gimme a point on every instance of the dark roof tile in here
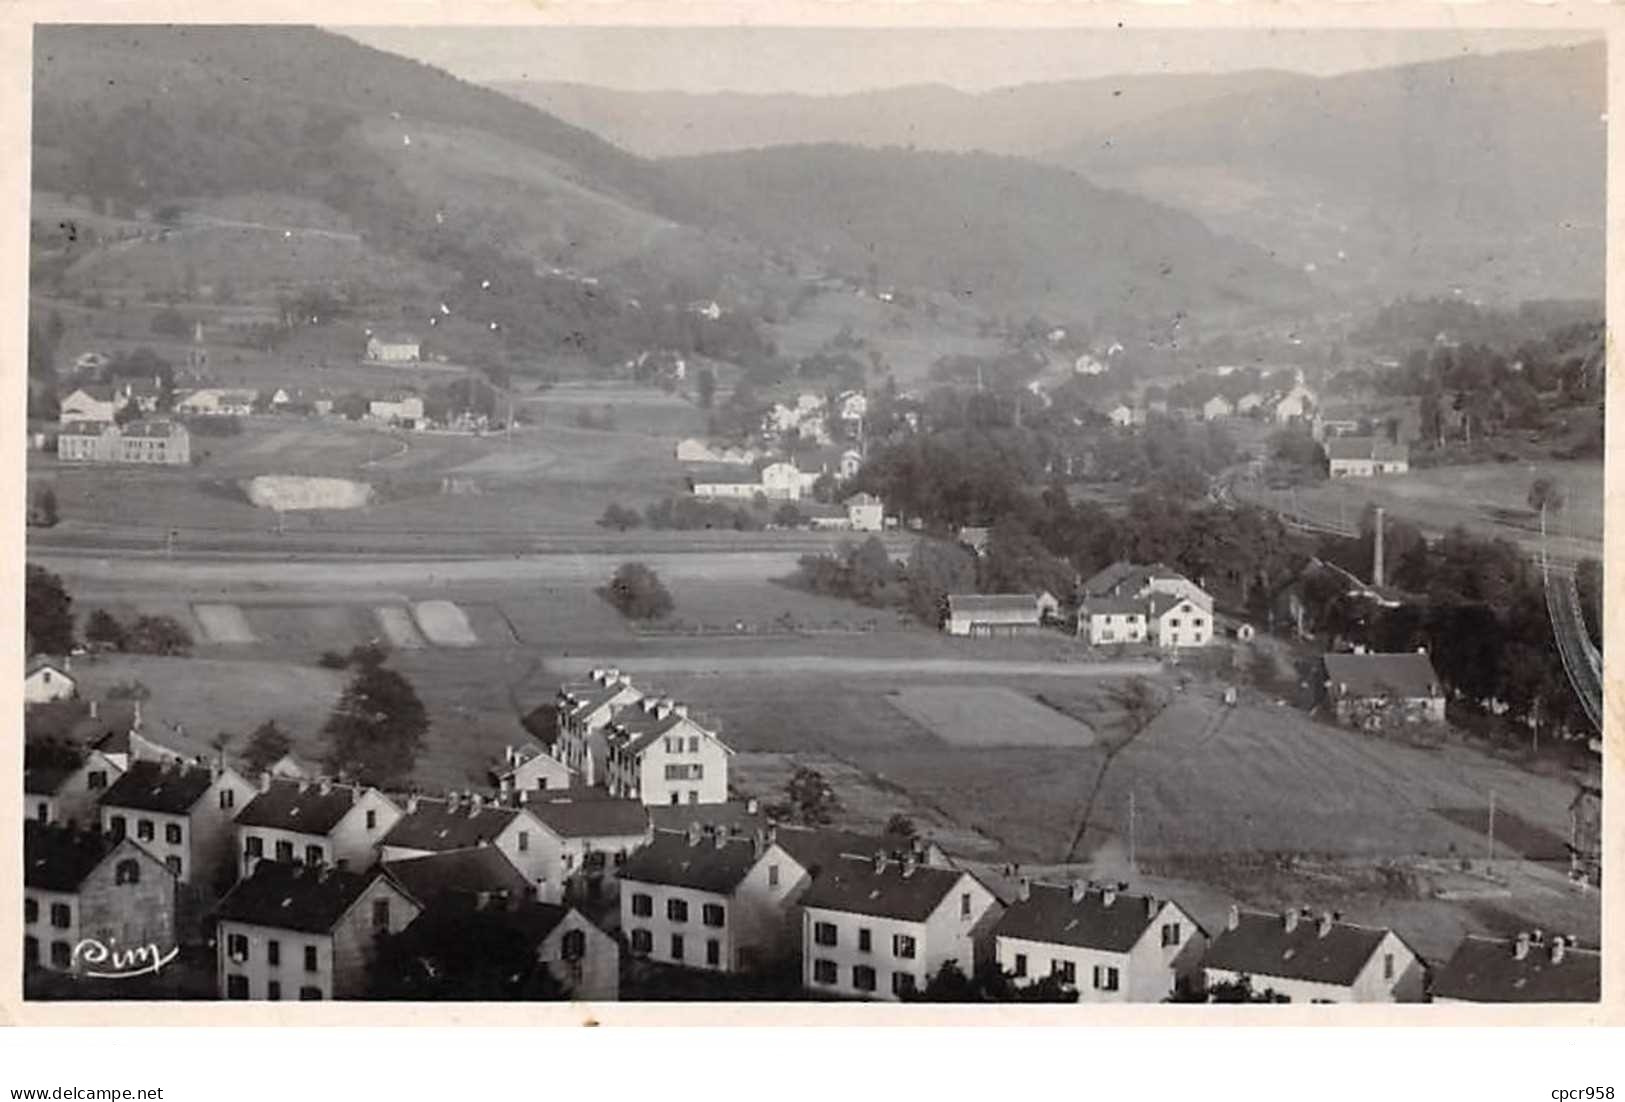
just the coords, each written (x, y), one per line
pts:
(292, 897)
(855, 886)
(303, 806)
(1262, 946)
(149, 786)
(1487, 970)
(1049, 914)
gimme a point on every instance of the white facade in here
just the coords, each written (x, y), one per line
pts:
(1170, 946)
(1184, 624)
(686, 764)
(351, 844)
(406, 408)
(1392, 974)
(520, 841)
(195, 844)
(1115, 626)
(48, 682)
(782, 482)
(393, 350)
(81, 405)
(865, 513)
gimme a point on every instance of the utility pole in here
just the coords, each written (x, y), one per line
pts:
(1492, 824)
(1131, 830)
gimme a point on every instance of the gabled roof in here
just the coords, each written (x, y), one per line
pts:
(1408, 675)
(482, 870)
(1261, 946)
(58, 858)
(98, 391)
(578, 816)
(453, 919)
(437, 825)
(729, 475)
(705, 865)
(1114, 606)
(1049, 914)
(1366, 447)
(816, 848)
(1487, 970)
(734, 815)
(855, 886)
(287, 896)
(149, 786)
(1159, 603)
(46, 662)
(590, 696)
(1008, 605)
(309, 807)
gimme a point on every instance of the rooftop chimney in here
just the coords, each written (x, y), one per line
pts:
(1292, 920)
(1233, 921)
(752, 807)
(412, 804)
(1324, 925)
(721, 837)
(1024, 888)
(1079, 890)
(265, 781)
(880, 860)
(1377, 566)
(909, 864)
(1108, 896)
(509, 754)
(326, 785)
(1520, 948)
(1558, 946)
(694, 834)
(680, 709)
(95, 707)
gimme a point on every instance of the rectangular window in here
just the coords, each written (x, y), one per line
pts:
(1388, 966)
(254, 846)
(676, 797)
(902, 984)
(115, 826)
(96, 779)
(1171, 933)
(273, 991)
(172, 833)
(964, 905)
(273, 953)
(902, 946)
(642, 941)
(1105, 978)
(228, 799)
(824, 971)
(863, 977)
(61, 915)
(677, 947)
(30, 911)
(237, 946)
(310, 994)
(173, 864)
(284, 851)
(372, 820)
(643, 905)
(713, 914)
(693, 796)
(694, 744)
(1065, 971)
(772, 876)
(310, 958)
(824, 933)
(863, 940)
(677, 910)
(524, 841)
(144, 830)
(313, 855)
(677, 772)
(236, 987)
(1020, 968)
(61, 954)
(713, 952)
(380, 914)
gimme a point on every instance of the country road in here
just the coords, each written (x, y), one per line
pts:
(823, 664)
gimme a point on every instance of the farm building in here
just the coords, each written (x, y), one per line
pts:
(1365, 457)
(1525, 969)
(1381, 690)
(695, 450)
(1130, 603)
(218, 402)
(992, 614)
(1178, 621)
(1216, 408)
(94, 404)
(865, 512)
(1296, 404)
(164, 443)
(1303, 957)
(730, 484)
(397, 408)
(1107, 620)
(47, 679)
(1106, 944)
(393, 348)
(531, 768)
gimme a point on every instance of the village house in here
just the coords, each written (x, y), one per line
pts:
(81, 884)
(785, 481)
(305, 932)
(1296, 404)
(735, 484)
(974, 538)
(881, 928)
(1311, 958)
(584, 708)
(1105, 621)
(1374, 691)
(1125, 416)
(182, 814)
(1217, 408)
(825, 518)
(155, 442)
(992, 615)
(1525, 969)
(659, 754)
(397, 408)
(716, 902)
(530, 768)
(1101, 941)
(314, 822)
(584, 841)
(218, 402)
(470, 874)
(1366, 457)
(63, 784)
(91, 404)
(852, 405)
(865, 513)
(393, 348)
(1130, 603)
(458, 822)
(47, 679)
(1174, 622)
(1249, 402)
(695, 450)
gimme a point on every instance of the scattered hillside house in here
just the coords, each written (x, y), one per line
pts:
(1524, 970)
(397, 407)
(993, 615)
(1106, 944)
(695, 450)
(1105, 621)
(878, 928)
(165, 443)
(1366, 457)
(1132, 603)
(1333, 423)
(531, 768)
(583, 959)
(218, 402)
(852, 405)
(1125, 416)
(585, 840)
(1088, 364)
(1174, 622)
(80, 885)
(1312, 958)
(849, 463)
(46, 678)
(806, 416)
(305, 932)
(63, 784)
(659, 754)
(1250, 401)
(314, 822)
(975, 538)
(92, 404)
(180, 813)
(1217, 407)
(865, 513)
(785, 481)
(717, 903)
(1049, 606)
(1295, 404)
(1374, 691)
(726, 484)
(393, 348)
(460, 822)
(584, 708)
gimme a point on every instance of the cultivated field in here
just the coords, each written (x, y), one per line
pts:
(224, 624)
(444, 624)
(988, 716)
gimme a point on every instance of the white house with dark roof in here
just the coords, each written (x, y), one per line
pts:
(1132, 603)
(1108, 945)
(81, 884)
(1305, 957)
(584, 708)
(64, 785)
(182, 814)
(393, 348)
(991, 615)
(880, 928)
(477, 874)
(1524, 969)
(529, 768)
(303, 932)
(93, 404)
(441, 825)
(1373, 691)
(712, 902)
(659, 754)
(1366, 457)
(46, 679)
(586, 838)
(314, 822)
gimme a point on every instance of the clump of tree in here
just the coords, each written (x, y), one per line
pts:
(620, 517)
(990, 984)
(47, 612)
(1238, 990)
(860, 572)
(160, 635)
(1296, 458)
(637, 593)
(43, 511)
(808, 798)
(104, 632)
(688, 513)
(376, 729)
(266, 745)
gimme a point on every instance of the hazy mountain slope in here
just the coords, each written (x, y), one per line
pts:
(1485, 173)
(1023, 119)
(1004, 233)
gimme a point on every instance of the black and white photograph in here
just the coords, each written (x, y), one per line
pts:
(1080, 516)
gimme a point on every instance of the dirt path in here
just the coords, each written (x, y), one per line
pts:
(796, 664)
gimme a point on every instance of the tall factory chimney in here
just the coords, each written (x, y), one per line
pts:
(1376, 552)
